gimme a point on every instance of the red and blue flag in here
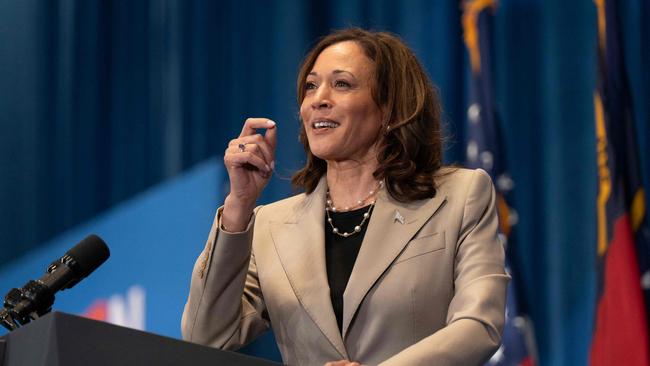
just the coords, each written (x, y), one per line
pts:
(621, 330)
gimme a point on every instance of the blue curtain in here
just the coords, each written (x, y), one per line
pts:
(101, 99)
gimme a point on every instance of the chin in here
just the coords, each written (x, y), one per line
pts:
(326, 152)
(322, 154)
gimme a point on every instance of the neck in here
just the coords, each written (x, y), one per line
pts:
(350, 181)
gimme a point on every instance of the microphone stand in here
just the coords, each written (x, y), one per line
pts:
(7, 320)
(26, 304)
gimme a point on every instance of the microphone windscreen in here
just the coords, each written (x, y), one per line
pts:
(89, 254)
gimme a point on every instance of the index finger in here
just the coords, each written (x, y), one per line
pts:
(252, 124)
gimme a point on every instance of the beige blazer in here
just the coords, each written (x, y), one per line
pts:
(428, 286)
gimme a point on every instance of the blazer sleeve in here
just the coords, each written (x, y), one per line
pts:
(225, 307)
(477, 310)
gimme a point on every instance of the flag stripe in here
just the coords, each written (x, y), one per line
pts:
(605, 180)
(621, 335)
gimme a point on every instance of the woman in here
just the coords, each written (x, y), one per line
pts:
(387, 258)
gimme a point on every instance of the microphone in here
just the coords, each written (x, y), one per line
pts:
(35, 298)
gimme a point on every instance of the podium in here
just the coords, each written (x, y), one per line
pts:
(59, 339)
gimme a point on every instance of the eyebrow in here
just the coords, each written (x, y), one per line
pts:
(337, 71)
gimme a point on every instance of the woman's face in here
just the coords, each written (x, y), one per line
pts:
(341, 119)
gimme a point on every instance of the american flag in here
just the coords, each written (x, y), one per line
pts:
(486, 150)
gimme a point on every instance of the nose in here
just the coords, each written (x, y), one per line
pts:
(322, 98)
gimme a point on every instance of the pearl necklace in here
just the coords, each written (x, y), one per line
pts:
(372, 192)
(330, 207)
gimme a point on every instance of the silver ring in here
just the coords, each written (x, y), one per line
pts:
(242, 147)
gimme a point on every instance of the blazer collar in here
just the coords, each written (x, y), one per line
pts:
(299, 240)
(391, 227)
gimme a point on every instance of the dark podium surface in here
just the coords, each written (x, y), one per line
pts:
(64, 339)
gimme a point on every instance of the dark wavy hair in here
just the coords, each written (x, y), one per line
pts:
(410, 149)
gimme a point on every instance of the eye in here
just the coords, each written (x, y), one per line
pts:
(341, 84)
(310, 85)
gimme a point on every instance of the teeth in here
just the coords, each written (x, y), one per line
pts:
(325, 124)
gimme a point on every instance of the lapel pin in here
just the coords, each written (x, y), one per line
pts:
(398, 217)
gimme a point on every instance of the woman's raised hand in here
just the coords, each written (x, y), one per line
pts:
(249, 160)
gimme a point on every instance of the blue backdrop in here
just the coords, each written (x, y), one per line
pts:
(102, 99)
(154, 239)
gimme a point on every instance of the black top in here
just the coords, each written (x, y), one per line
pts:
(341, 253)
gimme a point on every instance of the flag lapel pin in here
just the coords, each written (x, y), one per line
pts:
(398, 217)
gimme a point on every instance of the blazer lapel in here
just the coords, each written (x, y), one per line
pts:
(391, 226)
(299, 240)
